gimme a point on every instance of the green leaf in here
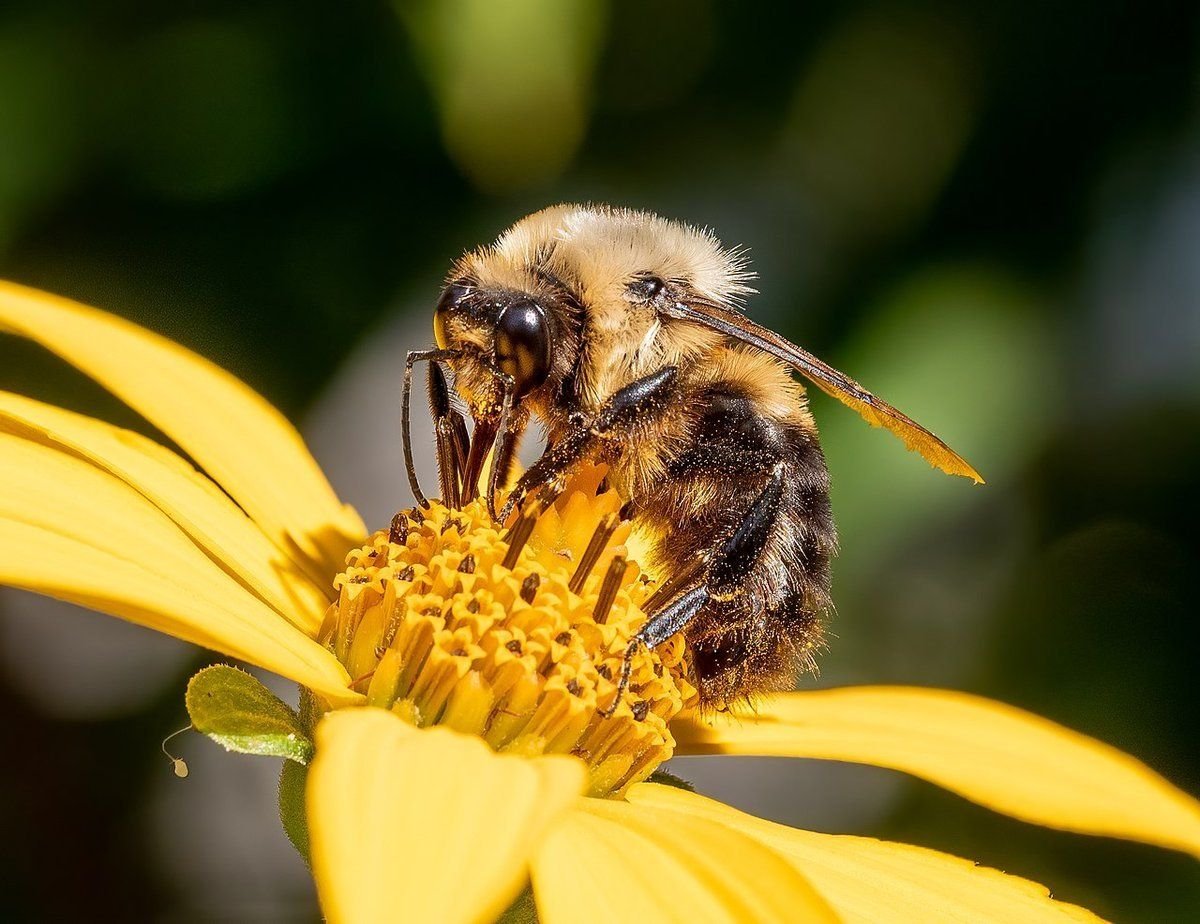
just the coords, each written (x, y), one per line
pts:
(292, 786)
(242, 715)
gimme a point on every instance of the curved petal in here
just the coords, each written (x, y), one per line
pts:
(244, 443)
(424, 825)
(877, 882)
(999, 756)
(197, 505)
(613, 861)
(69, 530)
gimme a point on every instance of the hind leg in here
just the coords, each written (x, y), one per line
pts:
(721, 586)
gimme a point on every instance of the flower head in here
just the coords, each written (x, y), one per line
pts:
(519, 640)
(469, 739)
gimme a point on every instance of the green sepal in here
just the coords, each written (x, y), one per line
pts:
(293, 780)
(242, 715)
(666, 778)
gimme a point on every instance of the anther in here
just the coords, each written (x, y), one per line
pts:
(608, 590)
(603, 532)
(514, 646)
(405, 573)
(574, 687)
(563, 638)
(398, 531)
(522, 530)
(467, 565)
(529, 587)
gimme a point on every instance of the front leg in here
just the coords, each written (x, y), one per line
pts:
(632, 406)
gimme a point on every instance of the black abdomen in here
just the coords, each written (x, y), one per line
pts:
(774, 594)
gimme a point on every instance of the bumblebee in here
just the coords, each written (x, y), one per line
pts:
(622, 334)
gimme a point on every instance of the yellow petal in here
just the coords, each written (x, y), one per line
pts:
(1007, 759)
(70, 530)
(876, 882)
(612, 861)
(244, 443)
(424, 825)
(197, 505)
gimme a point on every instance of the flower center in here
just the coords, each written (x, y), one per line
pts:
(517, 637)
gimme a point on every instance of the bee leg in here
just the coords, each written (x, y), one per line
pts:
(504, 444)
(672, 618)
(504, 455)
(624, 410)
(727, 568)
(414, 357)
(450, 429)
(548, 471)
(740, 552)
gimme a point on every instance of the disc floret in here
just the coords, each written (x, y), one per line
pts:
(442, 621)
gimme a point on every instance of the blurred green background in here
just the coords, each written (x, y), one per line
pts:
(990, 214)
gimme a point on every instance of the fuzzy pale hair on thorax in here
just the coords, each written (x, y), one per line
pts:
(597, 250)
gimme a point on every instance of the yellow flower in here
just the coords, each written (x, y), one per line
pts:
(460, 694)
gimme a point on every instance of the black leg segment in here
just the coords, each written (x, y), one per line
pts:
(450, 430)
(414, 357)
(625, 408)
(740, 551)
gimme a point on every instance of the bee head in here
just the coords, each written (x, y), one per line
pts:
(571, 297)
(494, 330)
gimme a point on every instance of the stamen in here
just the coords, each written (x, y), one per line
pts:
(523, 529)
(599, 540)
(432, 628)
(398, 531)
(608, 590)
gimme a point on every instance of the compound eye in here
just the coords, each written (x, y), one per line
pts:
(447, 303)
(647, 288)
(523, 345)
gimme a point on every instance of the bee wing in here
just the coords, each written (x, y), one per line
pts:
(877, 412)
